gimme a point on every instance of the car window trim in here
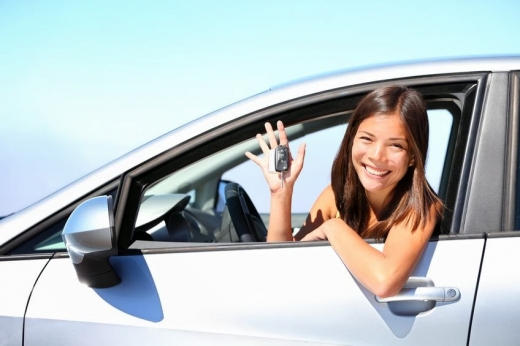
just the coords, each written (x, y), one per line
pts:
(134, 182)
(511, 214)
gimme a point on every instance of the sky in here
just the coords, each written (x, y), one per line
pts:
(84, 82)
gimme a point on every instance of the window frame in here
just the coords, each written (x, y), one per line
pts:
(135, 182)
(512, 213)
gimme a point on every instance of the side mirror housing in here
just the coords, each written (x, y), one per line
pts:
(90, 238)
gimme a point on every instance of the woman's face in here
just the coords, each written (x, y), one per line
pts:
(380, 153)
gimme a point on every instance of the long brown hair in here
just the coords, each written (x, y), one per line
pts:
(413, 196)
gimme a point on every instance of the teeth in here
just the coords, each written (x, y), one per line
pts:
(374, 172)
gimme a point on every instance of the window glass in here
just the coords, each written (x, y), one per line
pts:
(441, 122)
(221, 202)
(48, 240)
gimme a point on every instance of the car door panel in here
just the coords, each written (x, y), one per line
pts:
(299, 293)
(18, 278)
(496, 317)
(132, 312)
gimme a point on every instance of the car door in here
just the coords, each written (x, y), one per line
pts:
(19, 274)
(266, 294)
(273, 293)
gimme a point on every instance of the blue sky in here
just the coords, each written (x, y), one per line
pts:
(83, 82)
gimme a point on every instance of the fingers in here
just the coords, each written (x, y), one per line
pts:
(273, 142)
(310, 237)
(301, 152)
(306, 238)
(263, 145)
(300, 156)
(254, 158)
(281, 133)
(317, 234)
(297, 163)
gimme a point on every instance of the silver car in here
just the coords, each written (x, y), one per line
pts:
(166, 245)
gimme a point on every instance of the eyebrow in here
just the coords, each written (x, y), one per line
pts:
(392, 139)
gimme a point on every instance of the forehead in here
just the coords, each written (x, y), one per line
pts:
(384, 125)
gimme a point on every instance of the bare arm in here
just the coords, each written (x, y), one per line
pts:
(383, 273)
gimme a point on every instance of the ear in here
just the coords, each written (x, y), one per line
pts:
(412, 162)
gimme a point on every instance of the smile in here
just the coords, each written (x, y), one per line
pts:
(376, 172)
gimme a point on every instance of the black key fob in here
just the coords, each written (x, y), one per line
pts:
(281, 158)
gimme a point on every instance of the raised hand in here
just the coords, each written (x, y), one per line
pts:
(295, 164)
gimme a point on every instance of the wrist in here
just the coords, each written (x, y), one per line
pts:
(282, 193)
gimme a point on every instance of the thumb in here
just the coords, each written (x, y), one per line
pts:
(300, 156)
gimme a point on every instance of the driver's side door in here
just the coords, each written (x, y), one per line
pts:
(265, 294)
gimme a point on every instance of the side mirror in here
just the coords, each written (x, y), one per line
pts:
(91, 240)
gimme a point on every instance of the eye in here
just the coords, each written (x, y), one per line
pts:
(398, 146)
(365, 138)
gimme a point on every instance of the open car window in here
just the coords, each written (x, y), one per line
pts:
(198, 188)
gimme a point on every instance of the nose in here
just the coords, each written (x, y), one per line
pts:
(377, 152)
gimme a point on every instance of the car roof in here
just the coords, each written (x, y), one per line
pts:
(12, 225)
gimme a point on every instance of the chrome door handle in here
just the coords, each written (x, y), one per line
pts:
(438, 294)
(419, 295)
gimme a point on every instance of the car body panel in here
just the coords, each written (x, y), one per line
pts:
(272, 293)
(496, 320)
(18, 279)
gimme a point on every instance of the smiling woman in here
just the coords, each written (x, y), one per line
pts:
(378, 190)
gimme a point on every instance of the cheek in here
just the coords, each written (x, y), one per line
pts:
(401, 160)
(357, 152)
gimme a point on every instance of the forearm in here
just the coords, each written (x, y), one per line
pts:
(367, 264)
(280, 227)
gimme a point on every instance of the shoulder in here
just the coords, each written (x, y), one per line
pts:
(327, 202)
(324, 209)
(424, 224)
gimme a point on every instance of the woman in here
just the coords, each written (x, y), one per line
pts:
(378, 190)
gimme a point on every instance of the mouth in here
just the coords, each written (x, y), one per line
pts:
(376, 172)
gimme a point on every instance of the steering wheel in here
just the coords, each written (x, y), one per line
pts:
(246, 219)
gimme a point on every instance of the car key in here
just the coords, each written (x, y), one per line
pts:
(281, 160)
